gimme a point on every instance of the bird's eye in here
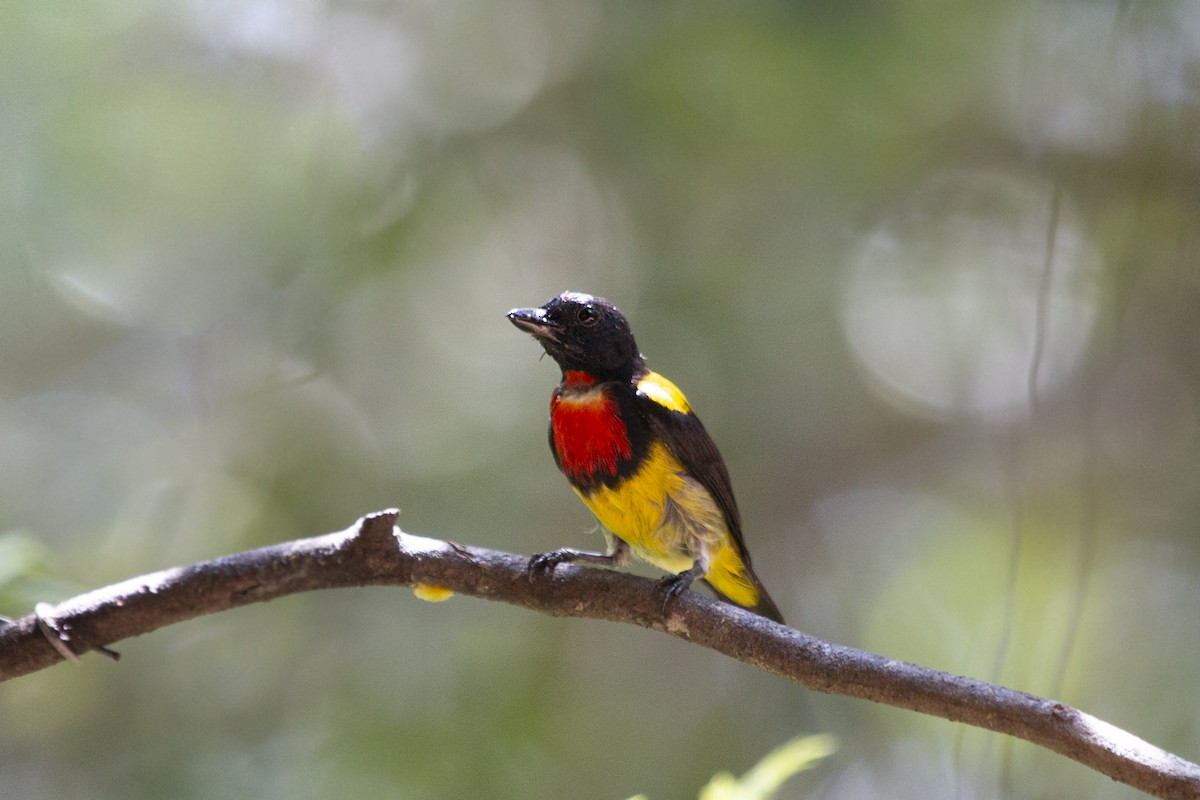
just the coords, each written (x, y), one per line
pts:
(587, 315)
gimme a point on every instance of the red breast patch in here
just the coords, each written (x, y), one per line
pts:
(589, 434)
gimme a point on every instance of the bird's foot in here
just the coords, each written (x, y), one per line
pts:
(672, 586)
(544, 563)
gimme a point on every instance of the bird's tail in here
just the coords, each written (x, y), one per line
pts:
(731, 578)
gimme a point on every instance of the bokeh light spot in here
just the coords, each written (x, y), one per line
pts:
(950, 302)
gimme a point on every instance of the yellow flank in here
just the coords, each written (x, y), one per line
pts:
(671, 521)
(663, 392)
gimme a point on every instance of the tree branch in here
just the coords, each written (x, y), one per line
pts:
(373, 552)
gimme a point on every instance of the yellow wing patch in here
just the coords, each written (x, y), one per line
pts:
(663, 392)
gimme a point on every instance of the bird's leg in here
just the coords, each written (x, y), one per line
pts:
(617, 556)
(674, 585)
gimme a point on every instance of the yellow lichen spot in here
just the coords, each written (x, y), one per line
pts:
(663, 392)
(431, 592)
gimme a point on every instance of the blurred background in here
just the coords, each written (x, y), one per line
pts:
(928, 270)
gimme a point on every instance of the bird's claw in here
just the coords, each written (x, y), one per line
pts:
(671, 587)
(544, 563)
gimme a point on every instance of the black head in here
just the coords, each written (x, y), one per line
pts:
(582, 332)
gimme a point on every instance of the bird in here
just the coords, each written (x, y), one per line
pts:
(632, 448)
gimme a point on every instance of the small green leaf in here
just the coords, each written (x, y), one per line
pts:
(764, 778)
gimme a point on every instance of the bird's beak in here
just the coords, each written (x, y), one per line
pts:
(533, 321)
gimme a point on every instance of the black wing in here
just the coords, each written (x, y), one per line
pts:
(684, 435)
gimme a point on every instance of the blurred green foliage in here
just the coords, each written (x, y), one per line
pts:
(927, 269)
(762, 781)
(25, 571)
